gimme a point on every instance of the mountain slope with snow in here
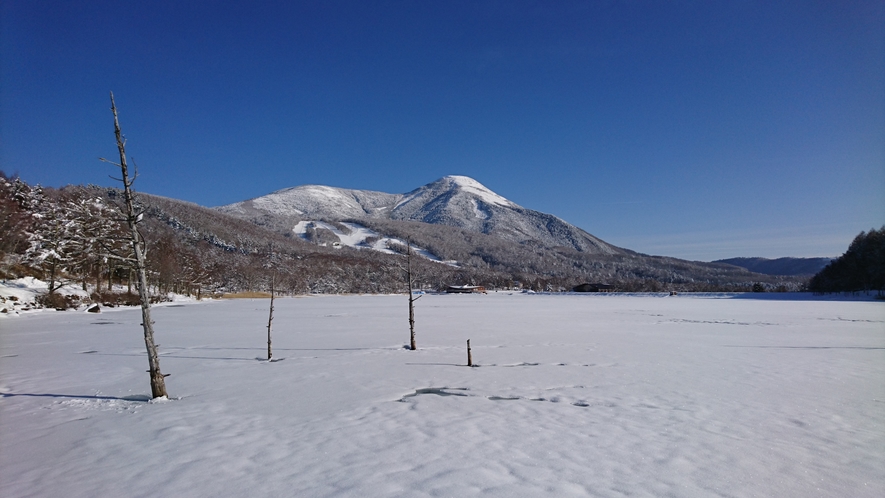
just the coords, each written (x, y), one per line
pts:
(226, 244)
(316, 201)
(457, 201)
(463, 202)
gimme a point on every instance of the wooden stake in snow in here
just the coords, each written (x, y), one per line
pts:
(469, 356)
(270, 319)
(158, 381)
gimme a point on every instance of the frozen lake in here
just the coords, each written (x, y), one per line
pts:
(575, 395)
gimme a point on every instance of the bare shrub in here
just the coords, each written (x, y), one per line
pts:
(112, 299)
(58, 301)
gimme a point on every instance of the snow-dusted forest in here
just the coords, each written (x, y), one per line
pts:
(75, 235)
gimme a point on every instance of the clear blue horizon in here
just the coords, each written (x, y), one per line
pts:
(699, 130)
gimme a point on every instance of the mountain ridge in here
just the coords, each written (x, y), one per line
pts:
(780, 266)
(453, 200)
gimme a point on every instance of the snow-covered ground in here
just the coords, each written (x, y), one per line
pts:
(575, 395)
(20, 295)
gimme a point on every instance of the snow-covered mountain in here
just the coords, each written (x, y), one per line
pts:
(457, 201)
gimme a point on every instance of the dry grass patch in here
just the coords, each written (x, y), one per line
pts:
(247, 295)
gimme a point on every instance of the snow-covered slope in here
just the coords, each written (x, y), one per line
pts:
(457, 201)
(317, 201)
(360, 237)
(465, 203)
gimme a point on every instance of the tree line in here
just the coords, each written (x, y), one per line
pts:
(860, 269)
(61, 236)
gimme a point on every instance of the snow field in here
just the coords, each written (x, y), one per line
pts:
(357, 239)
(574, 396)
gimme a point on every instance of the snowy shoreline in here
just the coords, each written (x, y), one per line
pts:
(18, 297)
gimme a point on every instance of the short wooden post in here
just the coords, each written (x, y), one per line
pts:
(469, 355)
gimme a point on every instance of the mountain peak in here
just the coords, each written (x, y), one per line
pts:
(471, 186)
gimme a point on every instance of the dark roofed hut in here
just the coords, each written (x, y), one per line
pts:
(594, 288)
(465, 289)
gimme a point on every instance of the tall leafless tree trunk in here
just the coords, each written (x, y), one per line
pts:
(158, 381)
(412, 297)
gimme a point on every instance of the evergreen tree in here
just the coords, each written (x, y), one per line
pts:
(861, 268)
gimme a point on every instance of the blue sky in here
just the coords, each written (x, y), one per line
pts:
(694, 129)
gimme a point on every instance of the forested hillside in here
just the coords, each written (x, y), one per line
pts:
(73, 234)
(861, 268)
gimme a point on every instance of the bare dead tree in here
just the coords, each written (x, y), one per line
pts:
(158, 380)
(412, 297)
(270, 318)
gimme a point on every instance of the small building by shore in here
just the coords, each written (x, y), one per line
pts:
(465, 289)
(594, 288)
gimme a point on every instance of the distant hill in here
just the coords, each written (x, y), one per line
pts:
(229, 252)
(780, 266)
(482, 237)
(456, 201)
